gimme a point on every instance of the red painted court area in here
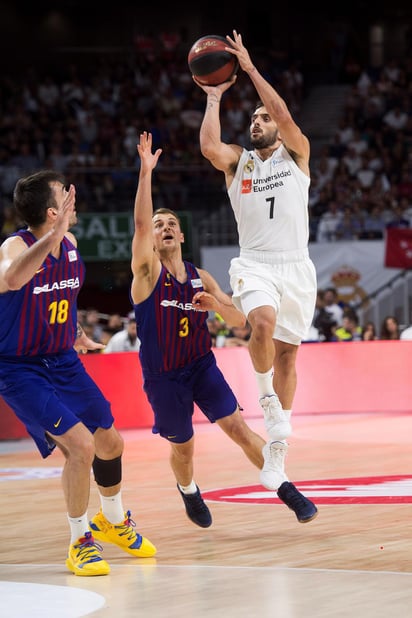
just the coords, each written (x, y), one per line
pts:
(395, 489)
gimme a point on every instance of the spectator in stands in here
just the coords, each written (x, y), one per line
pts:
(390, 328)
(105, 337)
(365, 174)
(398, 219)
(329, 222)
(350, 227)
(332, 306)
(125, 340)
(92, 324)
(324, 169)
(350, 329)
(369, 332)
(406, 205)
(324, 321)
(238, 336)
(10, 221)
(213, 328)
(352, 161)
(396, 118)
(406, 334)
(218, 329)
(114, 323)
(373, 225)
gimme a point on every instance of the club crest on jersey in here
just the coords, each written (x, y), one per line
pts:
(196, 283)
(249, 166)
(72, 255)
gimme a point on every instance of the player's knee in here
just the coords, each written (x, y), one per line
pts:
(107, 472)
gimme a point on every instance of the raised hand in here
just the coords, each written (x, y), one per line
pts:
(240, 51)
(144, 148)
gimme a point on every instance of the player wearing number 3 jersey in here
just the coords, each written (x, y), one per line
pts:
(171, 300)
(273, 279)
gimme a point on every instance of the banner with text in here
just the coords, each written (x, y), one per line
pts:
(108, 236)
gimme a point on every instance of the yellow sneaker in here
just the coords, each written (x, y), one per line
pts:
(122, 535)
(84, 558)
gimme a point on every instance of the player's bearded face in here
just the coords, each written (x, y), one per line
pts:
(264, 140)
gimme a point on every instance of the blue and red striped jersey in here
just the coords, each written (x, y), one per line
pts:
(171, 331)
(41, 317)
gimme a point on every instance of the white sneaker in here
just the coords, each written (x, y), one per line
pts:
(276, 422)
(273, 474)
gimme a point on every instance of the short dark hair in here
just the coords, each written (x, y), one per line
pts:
(258, 104)
(32, 196)
(166, 211)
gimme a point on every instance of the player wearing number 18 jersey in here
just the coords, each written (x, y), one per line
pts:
(41, 317)
(42, 378)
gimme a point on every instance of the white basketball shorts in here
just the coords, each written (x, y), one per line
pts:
(285, 281)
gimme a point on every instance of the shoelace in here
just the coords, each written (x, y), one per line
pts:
(276, 456)
(88, 549)
(273, 408)
(196, 502)
(126, 528)
(270, 400)
(295, 499)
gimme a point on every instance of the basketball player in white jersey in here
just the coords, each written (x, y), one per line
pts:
(273, 279)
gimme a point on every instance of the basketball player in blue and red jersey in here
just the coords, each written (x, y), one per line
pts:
(171, 298)
(273, 280)
(42, 377)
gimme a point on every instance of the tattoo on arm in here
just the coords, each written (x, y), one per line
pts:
(212, 98)
(79, 331)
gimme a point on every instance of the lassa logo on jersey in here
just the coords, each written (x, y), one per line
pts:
(57, 285)
(177, 305)
(395, 489)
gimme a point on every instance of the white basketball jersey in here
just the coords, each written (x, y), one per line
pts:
(270, 202)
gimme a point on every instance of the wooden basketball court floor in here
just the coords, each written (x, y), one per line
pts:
(256, 560)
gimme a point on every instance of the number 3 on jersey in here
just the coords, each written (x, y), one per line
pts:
(184, 327)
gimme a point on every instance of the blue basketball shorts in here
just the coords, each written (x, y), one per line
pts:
(172, 396)
(52, 394)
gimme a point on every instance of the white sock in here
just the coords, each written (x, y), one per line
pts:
(78, 527)
(112, 508)
(188, 489)
(265, 383)
(288, 414)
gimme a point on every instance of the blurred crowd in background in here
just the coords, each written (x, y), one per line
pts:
(362, 182)
(84, 120)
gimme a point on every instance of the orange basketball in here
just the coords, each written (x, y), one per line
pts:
(210, 62)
